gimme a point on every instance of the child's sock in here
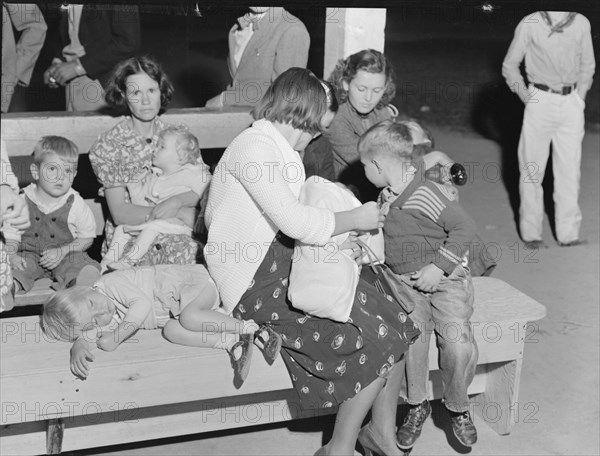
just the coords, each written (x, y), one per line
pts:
(226, 341)
(249, 327)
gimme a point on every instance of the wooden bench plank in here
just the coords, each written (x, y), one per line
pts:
(21, 131)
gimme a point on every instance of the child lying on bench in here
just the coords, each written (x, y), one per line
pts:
(122, 302)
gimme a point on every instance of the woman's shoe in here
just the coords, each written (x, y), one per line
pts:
(241, 365)
(272, 345)
(368, 441)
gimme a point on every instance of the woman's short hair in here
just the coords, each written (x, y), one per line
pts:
(297, 97)
(387, 139)
(188, 148)
(116, 91)
(368, 60)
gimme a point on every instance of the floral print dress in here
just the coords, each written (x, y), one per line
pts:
(328, 362)
(117, 157)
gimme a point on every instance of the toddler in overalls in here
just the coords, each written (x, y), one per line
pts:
(62, 225)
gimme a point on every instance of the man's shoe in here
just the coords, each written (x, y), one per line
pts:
(463, 428)
(411, 429)
(534, 245)
(573, 243)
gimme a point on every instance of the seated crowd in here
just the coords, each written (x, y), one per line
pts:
(363, 350)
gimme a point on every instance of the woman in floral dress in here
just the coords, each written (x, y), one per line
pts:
(253, 217)
(141, 88)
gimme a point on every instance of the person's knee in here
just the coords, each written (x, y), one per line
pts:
(170, 330)
(455, 336)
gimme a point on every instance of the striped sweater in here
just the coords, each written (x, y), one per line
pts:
(425, 224)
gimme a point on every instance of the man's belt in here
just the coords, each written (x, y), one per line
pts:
(566, 90)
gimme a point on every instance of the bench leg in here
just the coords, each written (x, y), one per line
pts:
(496, 406)
(54, 436)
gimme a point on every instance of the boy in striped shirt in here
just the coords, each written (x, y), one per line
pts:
(427, 239)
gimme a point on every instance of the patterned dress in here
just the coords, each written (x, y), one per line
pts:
(6, 278)
(117, 157)
(328, 362)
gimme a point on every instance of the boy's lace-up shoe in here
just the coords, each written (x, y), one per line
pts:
(463, 428)
(411, 429)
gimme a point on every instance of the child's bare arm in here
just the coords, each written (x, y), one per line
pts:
(139, 305)
(109, 341)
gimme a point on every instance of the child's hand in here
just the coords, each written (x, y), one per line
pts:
(17, 262)
(107, 341)
(80, 355)
(427, 278)
(51, 258)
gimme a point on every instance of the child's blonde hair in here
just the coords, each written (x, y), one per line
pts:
(63, 147)
(60, 319)
(387, 139)
(188, 147)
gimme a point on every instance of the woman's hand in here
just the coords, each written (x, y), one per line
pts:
(13, 208)
(368, 217)
(352, 246)
(166, 209)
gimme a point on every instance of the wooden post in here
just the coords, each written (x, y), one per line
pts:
(349, 30)
(54, 436)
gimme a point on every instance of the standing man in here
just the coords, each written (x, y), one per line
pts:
(559, 62)
(95, 37)
(19, 57)
(263, 43)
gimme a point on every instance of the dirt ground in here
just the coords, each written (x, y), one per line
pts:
(558, 409)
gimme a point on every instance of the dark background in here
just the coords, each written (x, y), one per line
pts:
(447, 55)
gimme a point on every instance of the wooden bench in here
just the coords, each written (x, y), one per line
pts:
(150, 389)
(21, 131)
